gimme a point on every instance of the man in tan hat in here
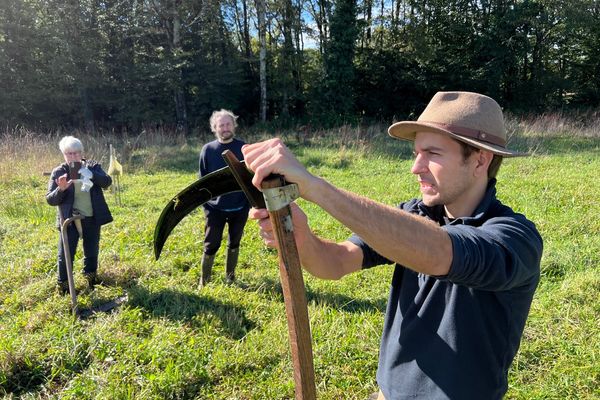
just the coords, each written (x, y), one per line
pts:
(467, 266)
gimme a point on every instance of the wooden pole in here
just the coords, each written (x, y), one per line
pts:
(64, 225)
(294, 295)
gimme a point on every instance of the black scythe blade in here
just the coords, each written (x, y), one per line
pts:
(215, 184)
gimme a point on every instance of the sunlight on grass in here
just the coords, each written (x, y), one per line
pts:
(230, 341)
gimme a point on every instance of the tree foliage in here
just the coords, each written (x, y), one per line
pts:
(121, 65)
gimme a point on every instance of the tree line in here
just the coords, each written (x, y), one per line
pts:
(124, 64)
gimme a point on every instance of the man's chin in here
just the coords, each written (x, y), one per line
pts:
(430, 201)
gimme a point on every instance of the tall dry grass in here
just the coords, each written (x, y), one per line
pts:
(25, 150)
(579, 124)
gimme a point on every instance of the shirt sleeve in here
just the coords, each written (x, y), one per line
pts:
(502, 254)
(100, 177)
(54, 196)
(370, 257)
(202, 166)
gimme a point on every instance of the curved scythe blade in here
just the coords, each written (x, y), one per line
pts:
(215, 184)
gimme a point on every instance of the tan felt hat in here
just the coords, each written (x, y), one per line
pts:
(469, 117)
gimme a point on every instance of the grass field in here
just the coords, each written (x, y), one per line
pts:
(171, 341)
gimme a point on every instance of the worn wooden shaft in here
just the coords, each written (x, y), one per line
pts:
(68, 261)
(294, 295)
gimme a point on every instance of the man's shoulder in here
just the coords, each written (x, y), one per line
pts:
(235, 143)
(503, 215)
(210, 147)
(215, 144)
(212, 143)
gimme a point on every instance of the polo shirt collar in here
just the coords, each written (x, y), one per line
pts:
(437, 213)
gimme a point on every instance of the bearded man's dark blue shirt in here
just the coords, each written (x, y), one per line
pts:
(211, 159)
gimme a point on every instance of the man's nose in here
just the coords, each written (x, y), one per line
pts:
(419, 166)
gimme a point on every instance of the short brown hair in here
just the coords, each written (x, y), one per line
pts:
(467, 150)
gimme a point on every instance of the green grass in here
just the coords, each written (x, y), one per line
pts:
(230, 342)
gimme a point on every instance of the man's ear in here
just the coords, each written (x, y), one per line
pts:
(483, 160)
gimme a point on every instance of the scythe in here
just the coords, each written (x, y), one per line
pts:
(276, 197)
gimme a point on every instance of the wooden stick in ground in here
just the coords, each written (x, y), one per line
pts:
(294, 295)
(64, 225)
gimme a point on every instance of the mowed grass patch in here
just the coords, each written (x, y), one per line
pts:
(171, 340)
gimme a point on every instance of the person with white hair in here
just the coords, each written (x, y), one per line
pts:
(231, 209)
(76, 187)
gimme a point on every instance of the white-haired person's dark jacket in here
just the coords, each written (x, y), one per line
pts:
(65, 199)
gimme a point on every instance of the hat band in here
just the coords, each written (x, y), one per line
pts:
(470, 133)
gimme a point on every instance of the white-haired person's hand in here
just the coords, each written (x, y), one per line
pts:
(63, 182)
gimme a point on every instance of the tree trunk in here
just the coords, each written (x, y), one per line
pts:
(247, 47)
(81, 64)
(179, 95)
(262, 35)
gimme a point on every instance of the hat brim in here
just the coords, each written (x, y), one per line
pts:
(407, 130)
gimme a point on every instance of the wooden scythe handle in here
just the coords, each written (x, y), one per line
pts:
(294, 295)
(64, 224)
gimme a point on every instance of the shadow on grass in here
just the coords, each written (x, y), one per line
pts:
(272, 288)
(181, 306)
(259, 367)
(23, 376)
(189, 389)
(27, 374)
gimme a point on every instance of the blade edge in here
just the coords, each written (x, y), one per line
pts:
(215, 184)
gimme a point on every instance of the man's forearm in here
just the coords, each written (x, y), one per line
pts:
(329, 260)
(407, 239)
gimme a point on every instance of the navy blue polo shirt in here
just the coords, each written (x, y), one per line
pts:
(455, 336)
(211, 159)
